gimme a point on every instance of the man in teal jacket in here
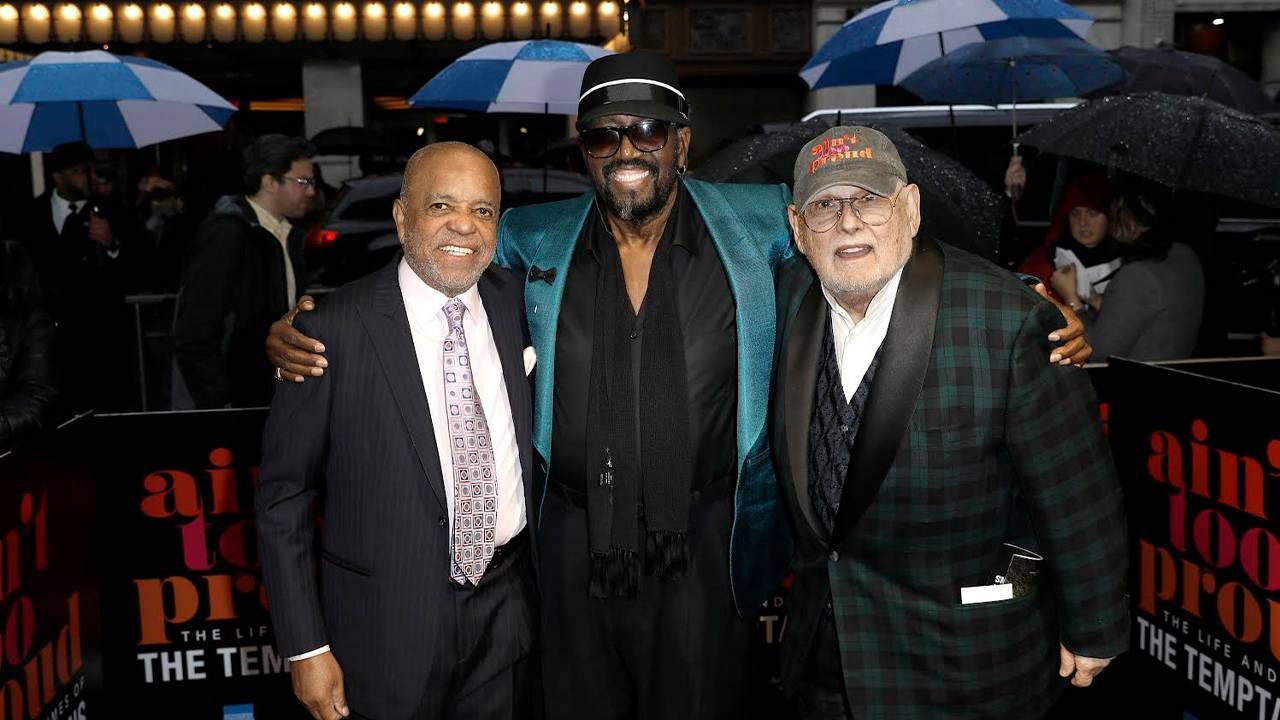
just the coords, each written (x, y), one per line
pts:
(651, 309)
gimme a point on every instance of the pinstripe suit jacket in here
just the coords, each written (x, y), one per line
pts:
(970, 439)
(360, 438)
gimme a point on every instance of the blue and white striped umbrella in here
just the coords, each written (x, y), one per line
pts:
(529, 76)
(105, 100)
(885, 43)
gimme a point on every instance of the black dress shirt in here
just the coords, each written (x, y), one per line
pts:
(708, 316)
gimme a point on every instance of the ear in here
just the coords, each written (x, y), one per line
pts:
(911, 195)
(686, 139)
(397, 214)
(269, 183)
(797, 232)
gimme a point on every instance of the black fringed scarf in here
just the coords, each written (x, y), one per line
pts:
(643, 474)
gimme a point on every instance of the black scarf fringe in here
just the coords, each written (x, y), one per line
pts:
(614, 573)
(666, 553)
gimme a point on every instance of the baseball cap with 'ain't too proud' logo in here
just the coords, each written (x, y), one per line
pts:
(848, 155)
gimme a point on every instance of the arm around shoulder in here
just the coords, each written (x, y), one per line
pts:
(1068, 481)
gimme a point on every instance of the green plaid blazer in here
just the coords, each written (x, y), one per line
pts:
(970, 439)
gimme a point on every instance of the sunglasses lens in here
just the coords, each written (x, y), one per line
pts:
(601, 142)
(648, 136)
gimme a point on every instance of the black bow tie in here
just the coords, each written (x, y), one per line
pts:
(548, 276)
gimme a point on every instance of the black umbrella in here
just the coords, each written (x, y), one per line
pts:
(1186, 73)
(1185, 143)
(956, 205)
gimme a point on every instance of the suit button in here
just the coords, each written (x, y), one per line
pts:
(834, 556)
(440, 521)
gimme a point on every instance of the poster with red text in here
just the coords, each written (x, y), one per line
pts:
(50, 656)
(1200, 462)
(189, 633)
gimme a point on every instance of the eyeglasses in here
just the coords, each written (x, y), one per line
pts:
(822, 215)
(646, 136)
(305, 182)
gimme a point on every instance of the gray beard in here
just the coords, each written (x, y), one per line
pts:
(631, 209)
(427, 269)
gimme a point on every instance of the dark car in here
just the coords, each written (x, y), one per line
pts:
(359, 235)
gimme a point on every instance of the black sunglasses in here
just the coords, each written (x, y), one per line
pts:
(646, 136)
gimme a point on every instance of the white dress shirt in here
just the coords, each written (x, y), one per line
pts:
(279, 228)
(429, 328)
(62, 210)
(856, 343)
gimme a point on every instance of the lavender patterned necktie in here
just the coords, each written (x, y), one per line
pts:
(475, 491)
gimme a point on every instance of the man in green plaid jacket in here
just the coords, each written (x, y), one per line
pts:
(917, 433)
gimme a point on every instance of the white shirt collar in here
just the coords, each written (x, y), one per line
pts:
(420, 297)
(880, 304)
(274, 225)
(63, 204)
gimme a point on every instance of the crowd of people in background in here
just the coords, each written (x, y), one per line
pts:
(1125, 240)
(1117, 252)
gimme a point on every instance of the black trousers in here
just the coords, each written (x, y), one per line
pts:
(676, 651)
(470, 685)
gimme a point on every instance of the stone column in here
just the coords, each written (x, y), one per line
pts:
(334, 97)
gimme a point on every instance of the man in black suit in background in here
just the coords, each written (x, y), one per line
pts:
(84, 248)
(418, 441)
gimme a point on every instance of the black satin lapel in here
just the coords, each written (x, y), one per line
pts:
(799, 374)
(504, 308)
(393, 342)
(904, 361)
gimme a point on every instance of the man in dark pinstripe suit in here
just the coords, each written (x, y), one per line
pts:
(916, 430)
(418, 442)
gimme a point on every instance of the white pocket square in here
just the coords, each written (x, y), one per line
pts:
(530, 359)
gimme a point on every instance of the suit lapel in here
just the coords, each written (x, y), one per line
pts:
(505, 323)
(751, 281)
(553, 248)
(904, 361)
(799, 375)
(393, 342)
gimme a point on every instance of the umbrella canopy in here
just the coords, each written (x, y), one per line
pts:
(1013, 69)
(1187, 143)
(529, 76)
(885, 43)
(1186, 73)
(956, 205)
(105, 100)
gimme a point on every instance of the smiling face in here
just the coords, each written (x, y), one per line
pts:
(635, 185)
(852, 259)
(447, 215)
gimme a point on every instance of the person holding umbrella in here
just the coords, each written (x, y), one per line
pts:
(1078, 247)
(85, 250)
(1155, 301)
